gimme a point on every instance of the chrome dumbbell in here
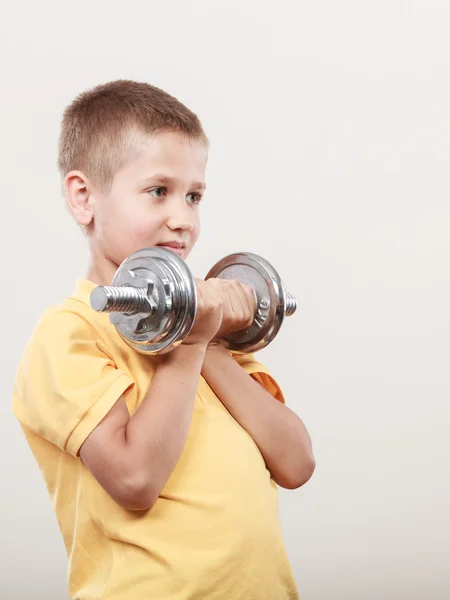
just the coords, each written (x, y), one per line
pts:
(153, 300)
(273, 302)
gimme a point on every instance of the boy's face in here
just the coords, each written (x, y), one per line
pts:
(152, 201)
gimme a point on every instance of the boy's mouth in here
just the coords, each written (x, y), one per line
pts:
(176, 247)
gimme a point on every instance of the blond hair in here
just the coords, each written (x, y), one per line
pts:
(97, 127)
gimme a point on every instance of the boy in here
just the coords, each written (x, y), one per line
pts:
(162, 471)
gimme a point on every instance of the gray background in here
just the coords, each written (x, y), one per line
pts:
(330, 131)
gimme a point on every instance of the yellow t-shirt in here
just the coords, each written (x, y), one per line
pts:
(214, 532)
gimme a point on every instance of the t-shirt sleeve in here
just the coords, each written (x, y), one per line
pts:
(260, 373)
(66, 382)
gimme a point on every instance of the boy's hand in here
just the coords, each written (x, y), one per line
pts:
(209, 314)
(224, 306)
(238, 305)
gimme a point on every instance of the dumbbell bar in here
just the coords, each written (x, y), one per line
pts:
(153, 300)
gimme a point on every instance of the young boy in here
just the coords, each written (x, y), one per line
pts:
(163, 471)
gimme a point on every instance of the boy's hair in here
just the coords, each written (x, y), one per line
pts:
(101, 127)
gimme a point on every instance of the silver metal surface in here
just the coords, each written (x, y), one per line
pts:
(273, 303)
(125, 299)
(291, 304)
(152, 300)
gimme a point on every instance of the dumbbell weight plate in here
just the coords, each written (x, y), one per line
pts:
(270, 299)
(172, 294)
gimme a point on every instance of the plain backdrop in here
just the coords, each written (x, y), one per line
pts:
(330, 137)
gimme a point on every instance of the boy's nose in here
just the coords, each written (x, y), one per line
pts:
(180, 219)
(180, 224)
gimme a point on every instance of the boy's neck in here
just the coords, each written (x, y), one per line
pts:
(101, 270)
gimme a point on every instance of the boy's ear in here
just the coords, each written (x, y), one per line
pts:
(78, 197)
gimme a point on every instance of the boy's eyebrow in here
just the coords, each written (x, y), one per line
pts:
(164, 179)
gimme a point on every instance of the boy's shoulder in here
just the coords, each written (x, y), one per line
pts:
(74, 310)
(67, 366)
(70, 321)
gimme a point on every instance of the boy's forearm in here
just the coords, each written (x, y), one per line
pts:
(278, 432)
(157, 431)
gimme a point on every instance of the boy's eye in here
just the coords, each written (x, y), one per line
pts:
(158, 192)
(195, 198)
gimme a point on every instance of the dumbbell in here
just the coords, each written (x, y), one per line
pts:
(153, 300)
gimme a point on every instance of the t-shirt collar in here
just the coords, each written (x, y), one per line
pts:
(83, 290)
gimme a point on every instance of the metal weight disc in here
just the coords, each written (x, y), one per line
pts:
(270, 299)
(173, 296)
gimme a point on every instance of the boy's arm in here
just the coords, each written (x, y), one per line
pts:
(279, 434)
(133, 457)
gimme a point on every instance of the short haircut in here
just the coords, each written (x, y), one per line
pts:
(100, 127)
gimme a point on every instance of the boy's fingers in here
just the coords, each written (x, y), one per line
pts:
(247, 298)
(235, 300)
(241, 298)
(238, 299)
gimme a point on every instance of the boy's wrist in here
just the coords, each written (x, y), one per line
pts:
(189, 352)
(215, 346)
(214, 353)
(198, 348)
